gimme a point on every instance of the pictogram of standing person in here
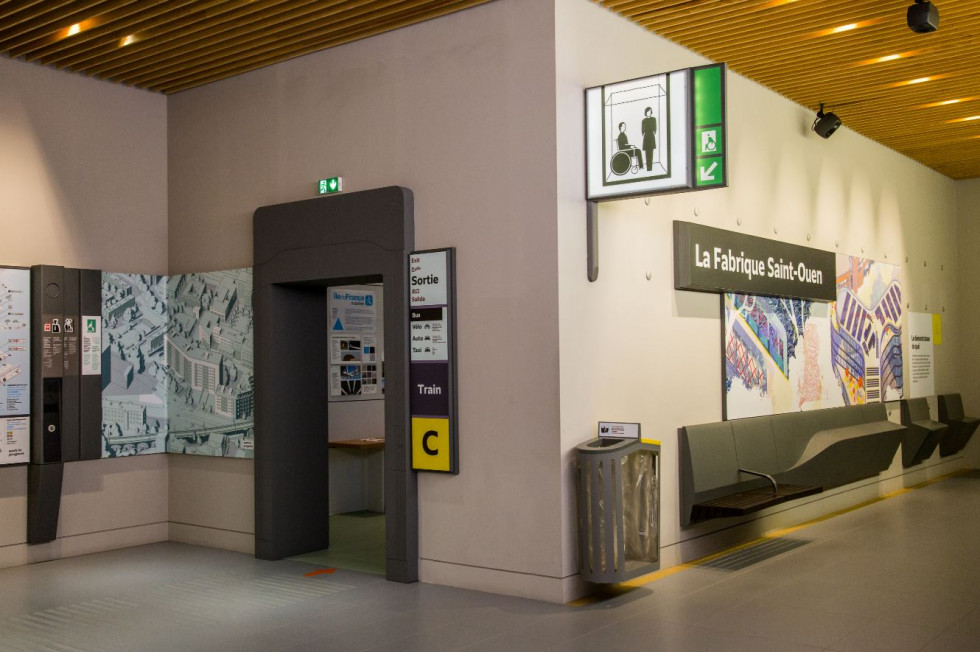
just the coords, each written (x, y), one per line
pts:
(649, 130)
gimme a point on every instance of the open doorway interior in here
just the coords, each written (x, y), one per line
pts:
(355, 405)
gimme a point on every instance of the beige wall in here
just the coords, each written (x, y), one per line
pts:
(968, 288)
(83, 179)
(634, 349)
(461, 110)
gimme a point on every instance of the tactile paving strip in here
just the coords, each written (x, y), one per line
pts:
(754, 554)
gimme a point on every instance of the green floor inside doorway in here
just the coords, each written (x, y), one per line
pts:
(357, 542)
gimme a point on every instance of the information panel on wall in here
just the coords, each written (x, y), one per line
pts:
(356, 353)
(15, 365)
(922, 363)
(662, 133)
(432, 333)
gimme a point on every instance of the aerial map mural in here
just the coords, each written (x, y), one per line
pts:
(209, 362)
(134, 396)
(177, 364)
(785, 355)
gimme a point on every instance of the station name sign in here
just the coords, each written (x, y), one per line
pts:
(707, 259)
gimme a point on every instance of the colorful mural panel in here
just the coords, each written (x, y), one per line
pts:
(785, 355)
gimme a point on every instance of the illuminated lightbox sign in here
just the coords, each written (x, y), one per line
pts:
(663, 133)
(707, 259)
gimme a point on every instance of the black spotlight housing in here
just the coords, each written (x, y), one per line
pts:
(826, 123)
(923, 17)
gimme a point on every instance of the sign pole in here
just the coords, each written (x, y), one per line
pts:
(592, 239)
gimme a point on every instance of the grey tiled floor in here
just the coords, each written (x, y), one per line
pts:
(901, 574)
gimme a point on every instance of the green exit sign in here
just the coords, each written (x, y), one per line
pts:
(329, 186)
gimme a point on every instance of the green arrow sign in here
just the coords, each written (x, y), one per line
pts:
(329, 186)
(709, 127)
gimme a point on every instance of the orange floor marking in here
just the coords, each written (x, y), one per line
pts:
(319, 571)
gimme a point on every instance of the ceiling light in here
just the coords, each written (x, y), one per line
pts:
(923, 17)
(826, 123)
(127, 40)
(850, 27)
(972, 117)
(932, 105)
(889, 57)
(74, 29)
(917, 80)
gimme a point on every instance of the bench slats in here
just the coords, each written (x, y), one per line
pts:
(750, 501)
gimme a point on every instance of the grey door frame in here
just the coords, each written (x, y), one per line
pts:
(299, 249)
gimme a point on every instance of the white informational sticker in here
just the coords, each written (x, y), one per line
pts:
(619, 430)
(922, 370)
(91, 345)
(15, 433)
(15, 349)
(637, 135)
(428, 279)
(352, 310)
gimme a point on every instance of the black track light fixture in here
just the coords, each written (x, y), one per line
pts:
(923, 17)
(826, 123)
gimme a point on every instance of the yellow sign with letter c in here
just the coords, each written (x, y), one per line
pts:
(430, 444)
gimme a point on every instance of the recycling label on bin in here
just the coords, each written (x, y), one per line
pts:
(432, 382)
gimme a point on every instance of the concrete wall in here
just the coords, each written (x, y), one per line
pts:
(461, 110)
(83, 177)
(634, 349)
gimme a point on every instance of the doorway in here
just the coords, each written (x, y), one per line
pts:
(301, 249)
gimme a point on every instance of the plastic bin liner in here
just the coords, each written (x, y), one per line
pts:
(640, 500)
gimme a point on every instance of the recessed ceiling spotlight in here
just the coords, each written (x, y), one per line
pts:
(967, 119)
(849, 27)
(826, 123)
(127, 40)
(958, 100)
(917, 80)
(923, 17)
(890, 57)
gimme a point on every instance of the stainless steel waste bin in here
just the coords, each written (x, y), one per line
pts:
(618, 509)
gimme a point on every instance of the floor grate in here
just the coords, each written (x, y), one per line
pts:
(754, 554)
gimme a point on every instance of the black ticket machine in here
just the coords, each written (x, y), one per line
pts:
(66, 407)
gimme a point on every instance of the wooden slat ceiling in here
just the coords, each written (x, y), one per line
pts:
(788, 46)
(170, 46)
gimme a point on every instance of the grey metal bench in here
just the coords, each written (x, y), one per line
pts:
(737, 467)
(923, 434)
(961, 427)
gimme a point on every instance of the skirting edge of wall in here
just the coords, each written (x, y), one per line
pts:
(88, 543)
(522, 585)
(212, 537)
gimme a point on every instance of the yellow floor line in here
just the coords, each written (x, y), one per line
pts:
(643, 580)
